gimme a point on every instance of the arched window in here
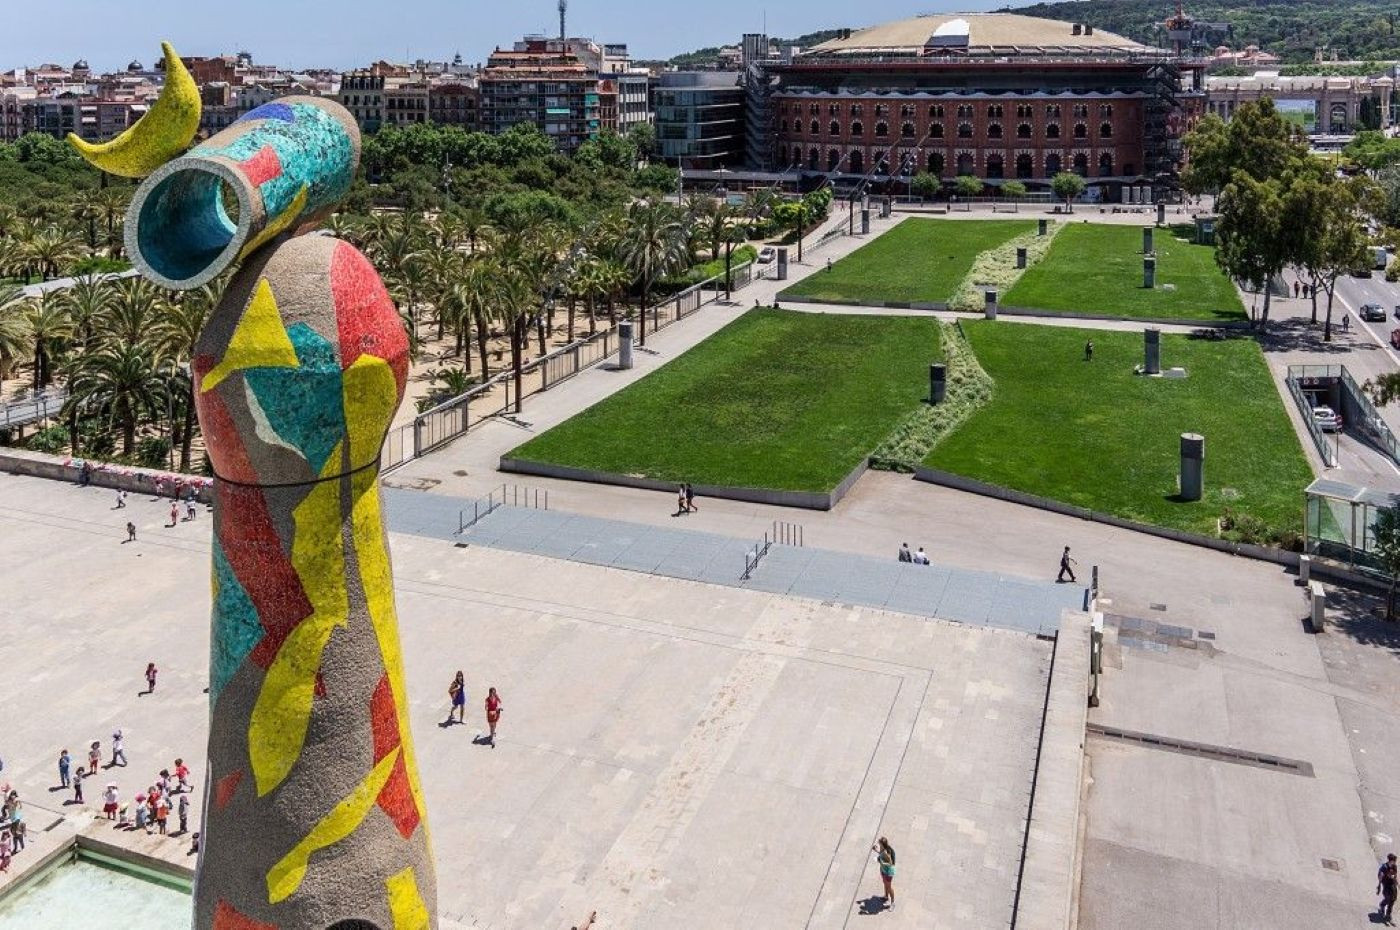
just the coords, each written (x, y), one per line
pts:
(1025, 166)
(857, 162)
(1052, 131)
(935, 131)
(816, 127)
(935, 164)
(1081, 131)
(965, 163)
(1106, 131)
(1023, 131)
(833, 160)
(1024, 111)
(1106, 110)
(882, 129)
(857, 109)
(964, 111)
(995, 166)
(1052, 165)
(1081, 165)
(906, 111)
(857, 129)
(964, 130)
(813, 159)
(814, 108)
(1052, 111)
(994, 131)
(935, 111)
(907, 130)
(834, 129)
(1105, 165)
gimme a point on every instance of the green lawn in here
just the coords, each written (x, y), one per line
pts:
(1096, 435)
(919, 261)
(777, 399)
(1097, 269)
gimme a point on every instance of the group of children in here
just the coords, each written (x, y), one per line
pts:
(150, 808)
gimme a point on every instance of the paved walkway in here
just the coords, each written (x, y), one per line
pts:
(973, 597)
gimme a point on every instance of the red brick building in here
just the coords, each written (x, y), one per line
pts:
(996, 96)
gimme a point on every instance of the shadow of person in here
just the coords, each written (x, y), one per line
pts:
(482, 739)
(873, 904)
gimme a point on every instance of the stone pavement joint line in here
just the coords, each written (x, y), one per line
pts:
(965, 596)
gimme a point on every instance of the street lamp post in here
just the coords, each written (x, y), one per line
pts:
(728, 280)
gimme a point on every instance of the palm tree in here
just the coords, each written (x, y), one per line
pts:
(122, 381)
(440, 265)
(137, 306)
(87, 301)
(591, 285)
(112, 203)
(175, 334)
(717, 226)
(51, 250)
(15, 339)
(653, 247)
(49, 329)
(347, 227)
(475, 295)
(86, 211)
(475, 226)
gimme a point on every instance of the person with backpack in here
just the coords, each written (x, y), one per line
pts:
(884, 855)
(1386, 888)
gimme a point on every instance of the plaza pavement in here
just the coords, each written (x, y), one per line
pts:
(672, 754)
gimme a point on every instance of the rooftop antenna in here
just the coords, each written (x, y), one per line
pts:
(563, 10)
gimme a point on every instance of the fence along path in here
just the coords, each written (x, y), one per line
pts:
(451, 419)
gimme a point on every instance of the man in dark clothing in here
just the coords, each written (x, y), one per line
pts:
(1065, 569)
(1386, 887)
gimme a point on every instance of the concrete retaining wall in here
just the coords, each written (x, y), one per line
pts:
(841, 302)
(809, 500)
(102, 474)
(973, 486)
(1145, 320)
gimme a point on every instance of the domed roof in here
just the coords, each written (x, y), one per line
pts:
(80, 65)
(989, 33)
(135, 66)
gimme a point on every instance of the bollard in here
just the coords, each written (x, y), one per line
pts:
(1162, 214)
(1318, 619)
(1304, 569)
(1020, 257)
(989, 307)
(1193, 460)
(937, 383)
(886, 208)
(1044, 227)
(1152, 351)
(1147, 240)
(782, 264)
(624, 352)
(1149, 272)
(865, 222)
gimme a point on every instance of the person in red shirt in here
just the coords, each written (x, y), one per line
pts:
(493, 713)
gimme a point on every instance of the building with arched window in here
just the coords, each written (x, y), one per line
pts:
(997, 95)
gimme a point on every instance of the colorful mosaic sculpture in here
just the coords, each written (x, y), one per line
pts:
(313, 815)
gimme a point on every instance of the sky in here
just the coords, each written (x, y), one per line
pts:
(349, 33)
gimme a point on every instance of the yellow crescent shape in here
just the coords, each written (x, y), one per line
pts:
(164, 132)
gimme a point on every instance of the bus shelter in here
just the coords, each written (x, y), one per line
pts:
(1339, 521)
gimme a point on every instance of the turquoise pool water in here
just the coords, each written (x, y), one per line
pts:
(83, 895)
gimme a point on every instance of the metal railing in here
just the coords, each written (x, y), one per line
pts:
(755, 555)
(451, 419)
(1375, 429)
(30, 409)
(782, 534)
(514, 494)
(787, 534)
(1296, 373)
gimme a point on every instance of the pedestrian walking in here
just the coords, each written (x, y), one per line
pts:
(493, 713)
(1065, 567)
(121, 498)
(680, 500)
(690, 498)
(921, 557)
(118, 749)
(94, 756)
(905, 555)
(65, 764)
(184, 811)
(130, 531)
(174, 513)
(85, 475)
(109, 801)
(884, 855)
(828, 265)
(182, 774)
(1346, 322)
(151, 676)
(162, 813)
(1296, 288)
(141, 812)
(190, 511)
(78, 786)
(1386, 888)
(457, 691)
(1089, 351)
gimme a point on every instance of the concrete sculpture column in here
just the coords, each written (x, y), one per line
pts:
(782, 264)
(1149, 272)
(313, 813)
(624, 351)
(989, 304)
(1152, 351)
(1193, 457)
(1147, 240)
(865, 222)
(937, 383)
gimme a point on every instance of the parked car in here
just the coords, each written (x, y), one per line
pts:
(1327, 419)
(1374, 313)
(767, 254)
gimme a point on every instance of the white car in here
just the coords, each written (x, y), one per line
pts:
(767, 254)
(1327, 419)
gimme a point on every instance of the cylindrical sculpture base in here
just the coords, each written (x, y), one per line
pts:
(1152, 351)
(989, 304)
(1044, 227)
(1161, 214)
(865, 222)
(1147, 240)
(624, 352)
(782, 263)
(1020, 257)
(1149, 272)
(937, 383)
(1193, 460)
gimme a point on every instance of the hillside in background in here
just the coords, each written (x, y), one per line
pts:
(706, 56)
(1355, 29)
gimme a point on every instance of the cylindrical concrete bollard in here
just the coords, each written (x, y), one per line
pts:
(865, 222)
(1162, 214)
(624, 352)
(937, 383)
(989, 307)
(1020, 257)
(782, 264)
(1152, 351)
(1147, 240)
(1044, 227)
(1193, 457)
(1149, 272)
(886, 208)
